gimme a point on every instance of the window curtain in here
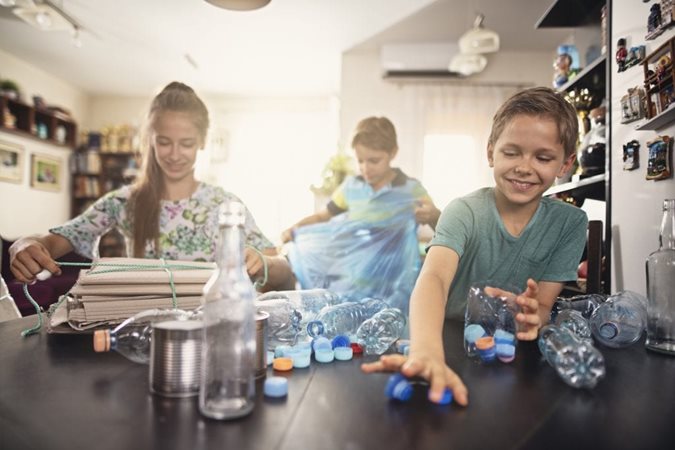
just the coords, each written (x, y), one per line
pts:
(447, 109)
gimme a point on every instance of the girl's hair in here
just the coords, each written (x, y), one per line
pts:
(144, 204)
(539, 102)
(377, 133)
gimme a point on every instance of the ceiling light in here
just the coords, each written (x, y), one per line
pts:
(467, 64)
(7, 3)
(479, 39)
(239, 5)
(43, 19)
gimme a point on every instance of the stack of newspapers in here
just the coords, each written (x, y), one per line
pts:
(114, 289)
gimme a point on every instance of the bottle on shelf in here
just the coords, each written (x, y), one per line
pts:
(661, 285)
(132, 337)
(291, 311)
(344, 318)
(576, 361)
(377, 334)
(620, 320)
(227, 388)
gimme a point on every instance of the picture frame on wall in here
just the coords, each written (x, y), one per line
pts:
(45, 172)
(11, 162)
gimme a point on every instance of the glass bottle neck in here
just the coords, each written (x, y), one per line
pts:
(231, 250)
(667, 236)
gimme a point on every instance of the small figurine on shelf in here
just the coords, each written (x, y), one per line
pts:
(635, 56)
(661, 67)
(631, 160)
(591, 151)
(654, 22)
(659, 164)
(561, 65)
(621, 54)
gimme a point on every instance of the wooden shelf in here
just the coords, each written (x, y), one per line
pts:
(571, 13)
(28, 118)
(659, 121)
(565, 187)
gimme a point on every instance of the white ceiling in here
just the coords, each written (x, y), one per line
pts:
(290, 47)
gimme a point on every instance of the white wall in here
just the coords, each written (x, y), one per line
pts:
(27, 210)
(365, 93)
(636, 202)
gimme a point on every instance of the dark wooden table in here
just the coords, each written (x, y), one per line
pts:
(56, 393)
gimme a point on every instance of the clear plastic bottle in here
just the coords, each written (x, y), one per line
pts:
(661, 286)
(377, 334)
(585, 304)
(575, 322)
(344, 318)
(132, 337)
(576, 361)
(291, 311)
(620, 320)
(227, 387)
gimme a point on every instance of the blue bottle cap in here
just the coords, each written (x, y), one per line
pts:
(340, 341)
(321, 342)
(447, 397)
(276, 387)
(398, 388)
(401, 345)
(343, 353)
(473, 332)
(506, 352)
(301, 359)
(324, 355)
(304, 346)
(504, 337)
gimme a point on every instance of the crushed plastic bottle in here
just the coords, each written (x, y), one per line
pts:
(291, 311)
(132, 337)
(620, 320)
(585, 304)
(379, 332)
(576, 361)
(575, 322)
(344, 318)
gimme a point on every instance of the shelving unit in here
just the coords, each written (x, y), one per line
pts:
(58, 128)
(96, 173)
(575, 14)
(659, 88)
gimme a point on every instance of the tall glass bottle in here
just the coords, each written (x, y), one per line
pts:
(661, 286)
(227, 387)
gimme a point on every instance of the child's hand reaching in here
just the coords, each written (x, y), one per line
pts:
(528, 319)
(426, 213)
(431, 369)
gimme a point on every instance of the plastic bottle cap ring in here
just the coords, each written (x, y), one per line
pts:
(324, 355)
(343, 353)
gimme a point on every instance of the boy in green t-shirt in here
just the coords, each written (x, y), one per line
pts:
(508, 233)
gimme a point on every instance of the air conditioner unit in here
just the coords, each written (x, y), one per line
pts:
(428, 60)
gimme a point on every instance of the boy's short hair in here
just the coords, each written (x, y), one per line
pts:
(540, 102)
(377, 133)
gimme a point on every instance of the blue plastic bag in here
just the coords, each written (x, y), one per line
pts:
(375, 255)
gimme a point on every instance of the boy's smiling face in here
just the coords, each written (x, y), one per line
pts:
(526, 158)
(374, 165)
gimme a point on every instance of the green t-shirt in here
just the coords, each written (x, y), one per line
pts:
(548, 249)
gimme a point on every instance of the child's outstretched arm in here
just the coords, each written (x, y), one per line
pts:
(323, 215)
(536, 303)
(427, 314)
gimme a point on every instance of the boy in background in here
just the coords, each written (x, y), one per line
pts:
(375, 145)
(506, 234)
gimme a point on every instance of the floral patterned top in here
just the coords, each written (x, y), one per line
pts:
(188, 228)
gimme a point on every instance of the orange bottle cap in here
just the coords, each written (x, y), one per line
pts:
(282, 364)
(485, 343)
(102, 341)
